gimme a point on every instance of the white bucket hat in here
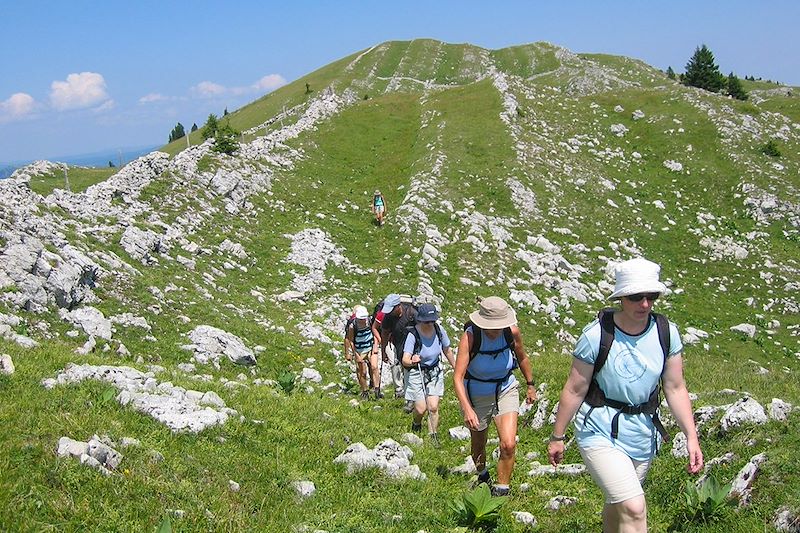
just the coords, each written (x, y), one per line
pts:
(637, 276)
(493, 313)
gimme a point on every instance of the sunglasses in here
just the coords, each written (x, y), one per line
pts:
(651, 296)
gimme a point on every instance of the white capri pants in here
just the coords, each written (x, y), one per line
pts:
(618, 476)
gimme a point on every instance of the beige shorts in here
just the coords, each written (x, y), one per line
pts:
(618, 476)
(484, 406)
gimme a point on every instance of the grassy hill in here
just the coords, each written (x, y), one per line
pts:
(480, 154)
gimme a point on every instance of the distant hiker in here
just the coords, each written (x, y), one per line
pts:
(390, 325)
(360, 344)
(490, 349)
(378, 207)
(613, 386)
(425, 343)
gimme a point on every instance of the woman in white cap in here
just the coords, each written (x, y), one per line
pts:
(489, 351)
(425, 343)
(613, 386)
(378, 206)
(360, 343)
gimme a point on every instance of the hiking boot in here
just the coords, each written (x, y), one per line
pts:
(434, 439)
(484, 478)
(365, 395)
(408, 407)
(416, 427)
(378, 394)
(500, 491)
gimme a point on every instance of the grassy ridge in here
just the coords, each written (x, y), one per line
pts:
(389, 141)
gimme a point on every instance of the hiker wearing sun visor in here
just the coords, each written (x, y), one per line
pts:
(613, 386)
(425, 343)
(489, 351)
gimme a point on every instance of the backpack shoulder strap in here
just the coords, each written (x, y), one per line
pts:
(439, 333)
(663, 335)
(476, 339)
(606, 318)
(417, 339)
(509, 335)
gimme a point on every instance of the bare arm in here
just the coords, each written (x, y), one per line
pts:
(448, 353)
(572, 395)
(681, 406)
(524, 364)
(349, 346)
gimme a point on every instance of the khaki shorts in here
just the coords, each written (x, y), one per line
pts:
(484, 406)
(618, 476)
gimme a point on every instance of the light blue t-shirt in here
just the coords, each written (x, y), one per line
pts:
(431, 347)
(630, 374)
(490, 366)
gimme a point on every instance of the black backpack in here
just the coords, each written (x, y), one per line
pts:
(412, 329)
(477, 339)
(595, 396)
(475, 349)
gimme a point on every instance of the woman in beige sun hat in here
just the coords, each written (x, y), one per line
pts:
(489, 351)
(614, 391)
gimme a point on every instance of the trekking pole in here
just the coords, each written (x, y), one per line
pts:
(425, 392)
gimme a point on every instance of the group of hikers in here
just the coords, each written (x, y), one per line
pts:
(621, 362)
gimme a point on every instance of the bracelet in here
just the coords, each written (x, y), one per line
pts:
(557, 438)
(531, 383)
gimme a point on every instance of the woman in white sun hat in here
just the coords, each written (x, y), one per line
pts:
(489, 351)
(613, 386)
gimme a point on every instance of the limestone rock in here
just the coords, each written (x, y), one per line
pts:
(742, 485)
(388, 456)
(304, 489)
(557, 502)
(779, 410)
(787, 521)
(745, 411)
(6, 365)
(525, 518)
(210, 343)
(459, 433)
(747, 329)
(90, 320)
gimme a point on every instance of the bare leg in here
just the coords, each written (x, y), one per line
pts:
(478, 448)
(433, 414)
(507, 431)
(629, 516)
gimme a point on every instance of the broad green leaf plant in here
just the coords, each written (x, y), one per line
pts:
(478, 509)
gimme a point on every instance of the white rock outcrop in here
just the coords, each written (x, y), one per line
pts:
(387, 456)
(209, 344)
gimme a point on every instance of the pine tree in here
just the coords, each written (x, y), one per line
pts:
(702, 72)
(225, 139)
(111, 164)
(177, 132)
(670, 73)
(734, 87)
(210, 127)
(194, 127)
(225, 113)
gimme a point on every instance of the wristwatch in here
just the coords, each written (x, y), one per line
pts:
(530, 383)
(557, 438)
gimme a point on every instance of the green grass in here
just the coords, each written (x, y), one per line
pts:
(381, 143)
(80, 179)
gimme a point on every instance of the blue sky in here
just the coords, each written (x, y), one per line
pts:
(80, 76)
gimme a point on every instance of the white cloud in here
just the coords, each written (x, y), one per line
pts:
(269, 82)
(152, 97)
(105, 106)
(79, 91)
(17, 106)
(208, 88)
